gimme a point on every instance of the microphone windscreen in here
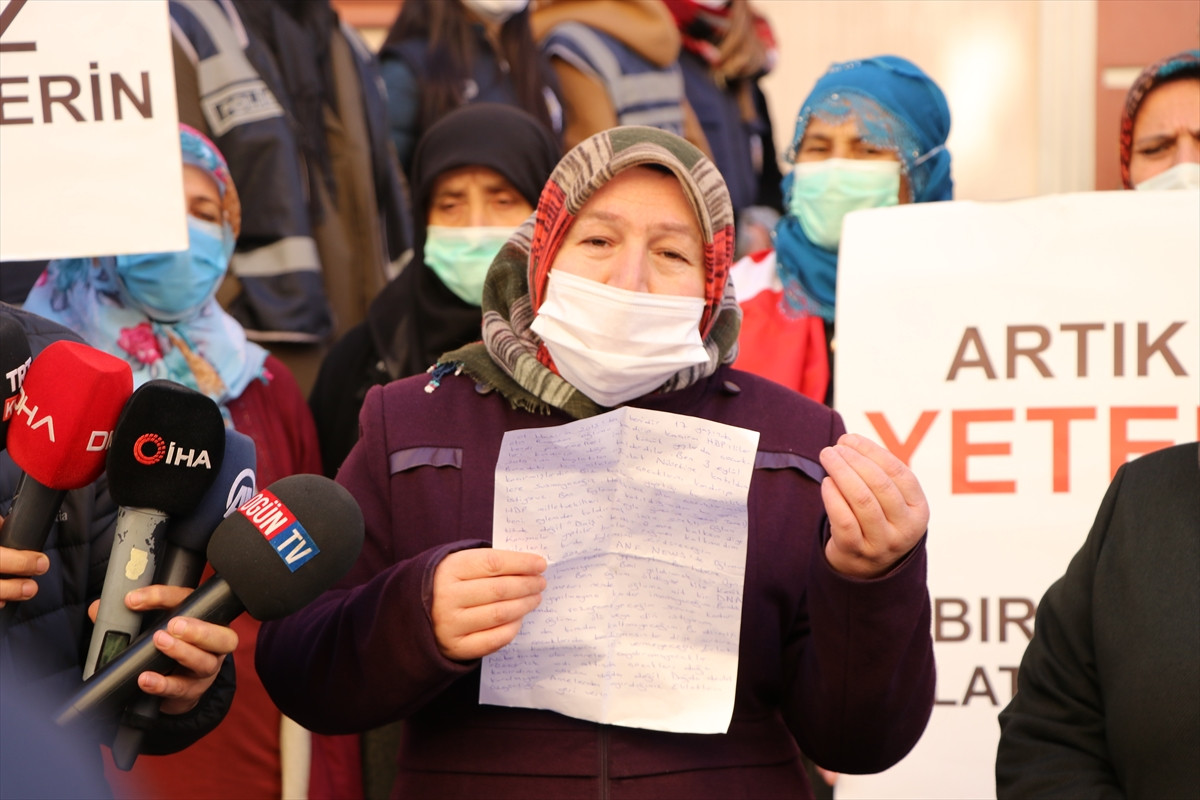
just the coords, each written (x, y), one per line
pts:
(288, 544)
(167, 448)
(14, 362)
(63, 419)
(234, 485)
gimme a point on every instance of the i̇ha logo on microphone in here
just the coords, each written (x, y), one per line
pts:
(150, 448)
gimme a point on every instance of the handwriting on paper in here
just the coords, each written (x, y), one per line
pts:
(642, 518)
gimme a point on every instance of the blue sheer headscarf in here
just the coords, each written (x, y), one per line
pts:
(898, 107)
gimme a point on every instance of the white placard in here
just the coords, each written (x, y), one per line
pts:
(1015, 354)
(641, 516)
(89, 136)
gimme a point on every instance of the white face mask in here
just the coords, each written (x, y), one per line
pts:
(613, 344)
(497, 11)
(1180, 176)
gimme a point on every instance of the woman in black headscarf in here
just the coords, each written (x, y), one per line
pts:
(476, 176)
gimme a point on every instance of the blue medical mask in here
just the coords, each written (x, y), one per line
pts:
(460, 257)
(170, 287)
(824, 192)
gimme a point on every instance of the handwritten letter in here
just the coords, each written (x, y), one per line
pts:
(642, 518)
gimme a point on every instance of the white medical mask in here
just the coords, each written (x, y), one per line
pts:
(1180, 176)
(460, 257)
(613, 344)
(824, 192)
(496, 11)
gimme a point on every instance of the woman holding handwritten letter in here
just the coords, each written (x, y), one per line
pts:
(708, 624)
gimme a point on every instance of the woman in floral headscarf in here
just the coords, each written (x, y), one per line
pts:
(614, 294)
(871, 134)
(159, 312)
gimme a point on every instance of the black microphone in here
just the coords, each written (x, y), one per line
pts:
(275, 555)
(166, 451)
(15, 359)
(187, 538)
(182, 564)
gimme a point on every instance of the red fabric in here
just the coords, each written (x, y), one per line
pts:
(240, 758)
(553, 220)
(701, 29)
(762, 29)
(337, 772)
(787, 350)
(718, 257)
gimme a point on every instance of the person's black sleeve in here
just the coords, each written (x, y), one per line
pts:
(1052, 737)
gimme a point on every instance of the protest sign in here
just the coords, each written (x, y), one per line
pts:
(89, 137)
(1015, 355)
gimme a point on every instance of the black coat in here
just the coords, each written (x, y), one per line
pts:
(1108, 696)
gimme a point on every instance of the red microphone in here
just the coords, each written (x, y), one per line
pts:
(59, 434)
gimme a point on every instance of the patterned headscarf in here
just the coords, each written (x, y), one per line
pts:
(1180, 65)
(511, 357)
(899, 108)
(208, 351)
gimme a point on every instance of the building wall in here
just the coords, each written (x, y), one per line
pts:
(372, 18)
(983, 55)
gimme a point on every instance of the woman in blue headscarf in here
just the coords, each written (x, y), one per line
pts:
(158, 310)
(871, 134)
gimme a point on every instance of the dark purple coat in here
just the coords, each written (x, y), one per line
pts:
(837, 667)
